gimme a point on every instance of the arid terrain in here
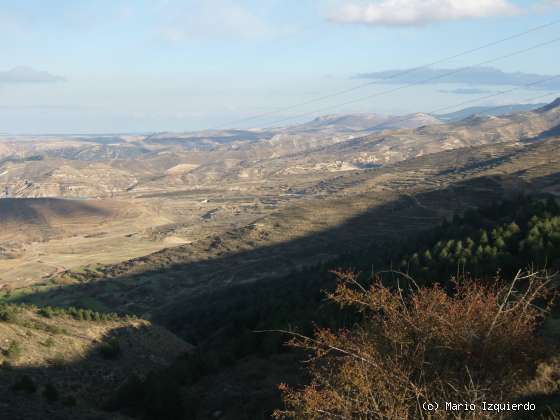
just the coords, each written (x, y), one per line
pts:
(280, 210)
(180, 230)
(90, 203)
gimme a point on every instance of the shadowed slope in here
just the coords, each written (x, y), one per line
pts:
(83, 361)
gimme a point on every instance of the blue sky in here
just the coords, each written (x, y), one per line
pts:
(155, 65)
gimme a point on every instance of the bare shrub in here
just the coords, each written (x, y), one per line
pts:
(422, 345)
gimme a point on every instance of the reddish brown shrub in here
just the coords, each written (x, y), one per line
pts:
(425, 345)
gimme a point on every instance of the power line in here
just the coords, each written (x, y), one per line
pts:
(503, 92)
(429, 79)
(534, 98)
(481, 98)
(396, 75)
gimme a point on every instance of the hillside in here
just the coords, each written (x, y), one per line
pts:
(117, 166)
(163, 244)
(157, 195)
(43, 236)
(391, 147)
(342, 214)
(240, 254)
(245, 366)
(488, 111)
(78, 357)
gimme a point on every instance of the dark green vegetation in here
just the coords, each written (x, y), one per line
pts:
(504, 236)
(31, 158)
(110, 350)
(79, 314)
(9, 313)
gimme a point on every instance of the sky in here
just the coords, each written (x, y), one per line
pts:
(116, 66)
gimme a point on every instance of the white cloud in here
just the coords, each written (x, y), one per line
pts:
(28, 75)
(419, 12)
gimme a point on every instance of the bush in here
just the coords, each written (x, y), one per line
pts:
(25, 384)
(49, 342)
(50, 393)
(110, 350)
(7, 313)
(47, 312)
(79, 314)
(473, 344)
(13, 351)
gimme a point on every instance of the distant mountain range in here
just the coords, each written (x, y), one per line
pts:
(329, 125)
(365, 122)
(488, 111)
(347, 125)
(102, 166)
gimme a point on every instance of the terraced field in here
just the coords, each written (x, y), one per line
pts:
(332, 215)
(221, 214)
